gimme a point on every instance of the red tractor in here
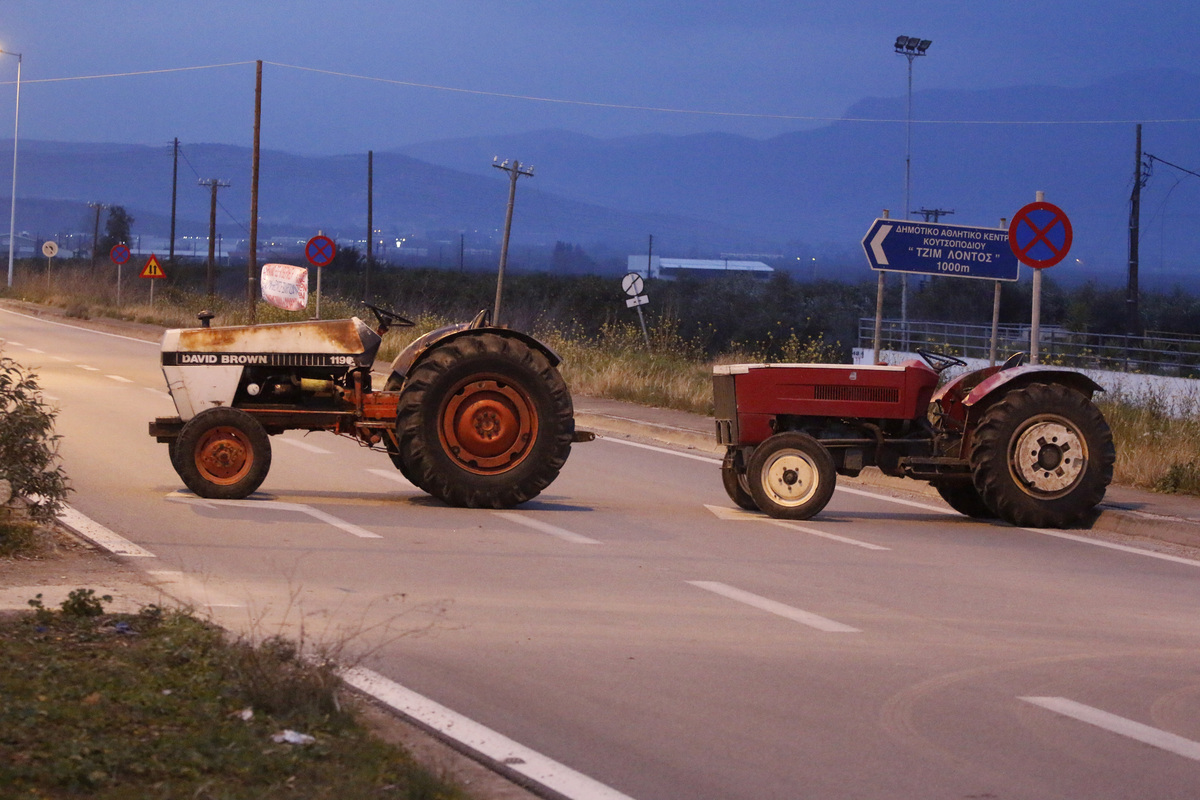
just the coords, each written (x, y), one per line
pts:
(1022, 443)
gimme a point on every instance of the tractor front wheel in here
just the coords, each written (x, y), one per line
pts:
(484, 421)
(791, 476)
(1042, 456)
(222, 454)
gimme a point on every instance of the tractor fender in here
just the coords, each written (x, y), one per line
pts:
(996, 385)
(422, 345)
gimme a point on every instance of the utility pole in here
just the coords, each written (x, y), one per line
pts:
(910, 47)
(934, 214)
(1132, 315)
(96, 234)
(370, 223)
(514, 171)
(252, 259)
(174, 190)
(213, 184)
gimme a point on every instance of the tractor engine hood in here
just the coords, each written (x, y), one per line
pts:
(339, 344)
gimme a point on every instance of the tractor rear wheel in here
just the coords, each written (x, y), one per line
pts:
(964, 498)
(1042, 456)
(733, 478)
(484, 421)
(394, 384)
(791, 476)
(222, 454)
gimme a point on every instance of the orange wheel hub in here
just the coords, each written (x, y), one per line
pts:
(488, 425)
(224, 455)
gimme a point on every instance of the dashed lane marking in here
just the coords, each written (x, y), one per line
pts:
(774, 607)
(118, 379)
(275, 505)
(88, 368)
(310, 448)
(742, 515)
(1119, 725)
(544, 527)
(391, 475)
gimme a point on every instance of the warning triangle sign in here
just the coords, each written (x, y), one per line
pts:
(152, 269)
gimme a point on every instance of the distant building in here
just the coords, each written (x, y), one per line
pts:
(668, 269)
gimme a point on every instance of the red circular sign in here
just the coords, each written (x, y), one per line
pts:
(319, 251)
(1040, 235)
(119, 254)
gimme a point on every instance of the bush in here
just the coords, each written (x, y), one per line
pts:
(28, 446)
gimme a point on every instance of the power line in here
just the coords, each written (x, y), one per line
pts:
(220, 205)
(1151, 159)
(613, 106)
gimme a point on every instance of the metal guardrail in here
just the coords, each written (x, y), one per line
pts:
(1154, 353)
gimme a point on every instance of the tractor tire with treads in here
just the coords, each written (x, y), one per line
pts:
(733, 478)
(484, 421)
(965, 499)
(1042, 456)
(222, 454)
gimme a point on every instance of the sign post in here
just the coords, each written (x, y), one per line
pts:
(119, 255)
(632, 285)
(1040, 236)
(152, 270)
(49, 250)
(320, 251)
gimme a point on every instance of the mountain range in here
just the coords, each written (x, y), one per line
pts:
(800, 196)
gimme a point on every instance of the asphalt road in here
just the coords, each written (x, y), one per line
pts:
(632, 625)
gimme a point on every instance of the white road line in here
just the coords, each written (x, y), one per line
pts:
(13, 341)
(60, 358)
(774, 607)
(89, 369)
(77, 328)
(191, 590)
(35, 350)
(831, 536)
(742, 515)
(496, 749)
(900, 502)
(705, 459)
(538, 525)
(391, 475)
(1071, 537)
(101, 536)
(1119, 725)
(311, 448)
(118, 379)
(275, 505)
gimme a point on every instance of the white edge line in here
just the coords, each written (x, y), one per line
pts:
(705, 459)
(1124, 548)
(77, 327)
(494, 749)
(774, 607)
(544, 527)
(1119, 725)
(99, 535)
(118, 378)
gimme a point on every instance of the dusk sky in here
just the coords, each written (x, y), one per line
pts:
(762, 67)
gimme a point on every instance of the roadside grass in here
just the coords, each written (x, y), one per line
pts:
(1157, 447)
(161, 704)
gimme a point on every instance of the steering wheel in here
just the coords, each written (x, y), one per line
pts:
(939, 361)
(388, 318)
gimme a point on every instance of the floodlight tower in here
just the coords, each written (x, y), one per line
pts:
(910, 47)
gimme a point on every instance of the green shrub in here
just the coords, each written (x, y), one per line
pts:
(28, 446)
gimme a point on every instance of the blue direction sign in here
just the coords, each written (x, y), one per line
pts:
(934, 248)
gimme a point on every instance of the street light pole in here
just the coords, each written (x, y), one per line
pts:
(910, 47)
(12, 218)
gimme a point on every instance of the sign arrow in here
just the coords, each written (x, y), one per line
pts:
(877, 244)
